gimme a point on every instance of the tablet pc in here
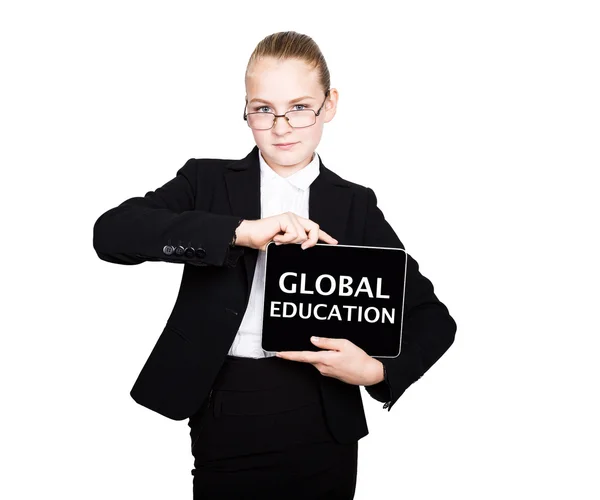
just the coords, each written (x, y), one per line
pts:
(336, 291)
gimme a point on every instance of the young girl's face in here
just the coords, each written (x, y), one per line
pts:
(274, 86)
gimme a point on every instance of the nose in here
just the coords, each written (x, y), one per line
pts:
(281, 125)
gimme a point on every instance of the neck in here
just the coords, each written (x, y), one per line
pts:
(287, 170)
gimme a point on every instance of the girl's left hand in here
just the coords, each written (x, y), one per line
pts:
(344, 361)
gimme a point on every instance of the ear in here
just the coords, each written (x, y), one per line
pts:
(331, 105)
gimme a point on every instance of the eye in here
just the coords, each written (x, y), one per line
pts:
(258, 108)
(268, 109)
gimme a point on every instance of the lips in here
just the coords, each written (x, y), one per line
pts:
(286, 144)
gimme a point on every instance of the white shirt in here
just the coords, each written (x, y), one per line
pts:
(277, 195)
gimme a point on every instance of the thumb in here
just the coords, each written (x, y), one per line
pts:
(327, 343)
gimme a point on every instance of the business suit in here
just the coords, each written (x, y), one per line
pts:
(197, 211)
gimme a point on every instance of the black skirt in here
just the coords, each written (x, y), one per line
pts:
(262, 433)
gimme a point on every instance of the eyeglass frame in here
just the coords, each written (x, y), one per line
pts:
(284, 114)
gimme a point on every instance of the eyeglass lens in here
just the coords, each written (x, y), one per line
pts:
(297, 119)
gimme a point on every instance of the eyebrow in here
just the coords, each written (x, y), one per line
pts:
(291, 102)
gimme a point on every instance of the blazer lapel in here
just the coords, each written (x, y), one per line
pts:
(330, 199)
(329, 203)
(243, 188)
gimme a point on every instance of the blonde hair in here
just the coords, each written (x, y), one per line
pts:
(292, 45)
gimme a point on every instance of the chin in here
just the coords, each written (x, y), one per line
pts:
(290, 157)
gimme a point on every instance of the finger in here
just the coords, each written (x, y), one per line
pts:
(287, 237)
(313, 236)
(327, 237)
(302, 356)
(323, 369)
(292, 236)
(290, 230)
(331, 343)
(295, 232)
(322, 235)
(302, 236)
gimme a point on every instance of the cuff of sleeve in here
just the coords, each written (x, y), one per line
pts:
(234, 252)
(380, 391)
(222, 253)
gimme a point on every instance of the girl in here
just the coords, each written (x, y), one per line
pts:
(265, 424)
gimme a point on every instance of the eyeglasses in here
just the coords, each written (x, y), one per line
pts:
(297, 118)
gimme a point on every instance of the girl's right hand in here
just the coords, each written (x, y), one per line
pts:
(283, 228)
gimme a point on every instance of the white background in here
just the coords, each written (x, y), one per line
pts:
(483, 150)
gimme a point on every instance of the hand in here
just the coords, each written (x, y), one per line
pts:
(283, 228)
(345, 361)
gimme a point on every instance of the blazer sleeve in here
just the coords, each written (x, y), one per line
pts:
(145, 228)
(428, 329)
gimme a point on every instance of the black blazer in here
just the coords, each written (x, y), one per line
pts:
(191, 220)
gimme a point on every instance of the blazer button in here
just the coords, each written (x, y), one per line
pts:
(189, 252)
(168, 250)
(179, 251)
(200, 252)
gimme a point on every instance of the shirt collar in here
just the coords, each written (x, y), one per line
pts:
(301, 179)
